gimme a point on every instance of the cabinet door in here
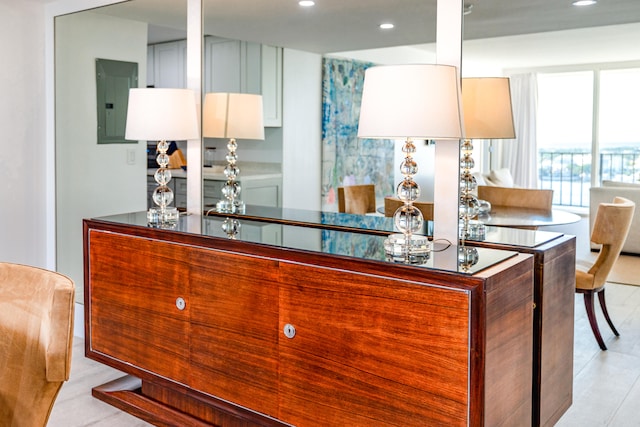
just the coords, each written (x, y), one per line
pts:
(234, 332)
(212, 192)
(169, 64)
(271, 66)
(222, 65)
(180, 192)
(371, 351)
(132, 315)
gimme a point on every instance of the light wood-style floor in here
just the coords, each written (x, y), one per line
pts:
(606, 383)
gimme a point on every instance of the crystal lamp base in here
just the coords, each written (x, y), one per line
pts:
(159, 217)
(408, 249)
(228, 206)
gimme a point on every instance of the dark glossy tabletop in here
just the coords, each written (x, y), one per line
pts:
(325, 239)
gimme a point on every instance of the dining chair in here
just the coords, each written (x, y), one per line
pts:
(36, 330)
(391, 204)
(532, 198)
(357, 199)
(610, 229)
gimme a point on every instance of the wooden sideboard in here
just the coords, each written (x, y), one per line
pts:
(212, 331)
(554, 288)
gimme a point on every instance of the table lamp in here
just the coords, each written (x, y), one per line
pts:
(233, 116)
(486, 103)
(403, 102)
(162, 115)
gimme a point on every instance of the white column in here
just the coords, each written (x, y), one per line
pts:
(194, 82)
(447, 153)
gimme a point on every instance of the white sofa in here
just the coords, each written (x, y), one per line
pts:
(605, 194)
(496, 178)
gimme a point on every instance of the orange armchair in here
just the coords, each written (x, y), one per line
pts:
(610, 229)
(36, 330)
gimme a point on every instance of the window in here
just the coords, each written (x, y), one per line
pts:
(586, 131)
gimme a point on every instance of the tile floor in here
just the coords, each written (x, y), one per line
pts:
(606, 383)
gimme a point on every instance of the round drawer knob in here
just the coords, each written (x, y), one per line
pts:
(180, 303)
(289, 330)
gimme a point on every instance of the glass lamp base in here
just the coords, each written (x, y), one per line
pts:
(473, 230)
(484, 207)
(228, 206)
(162, 217)
(407, 249)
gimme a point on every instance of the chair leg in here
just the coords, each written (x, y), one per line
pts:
(589, 305)
(603, 305)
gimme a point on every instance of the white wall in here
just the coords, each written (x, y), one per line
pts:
(92, 180)
(22, 123)
(302, 130)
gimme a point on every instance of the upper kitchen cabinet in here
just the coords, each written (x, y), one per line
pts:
(244, 67)
(169, 64)
(230, 66)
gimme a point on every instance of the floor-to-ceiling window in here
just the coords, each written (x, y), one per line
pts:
(587, 130)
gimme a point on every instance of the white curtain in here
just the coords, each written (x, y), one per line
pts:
(520, 156)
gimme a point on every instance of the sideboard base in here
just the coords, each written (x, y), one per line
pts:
(166, 407)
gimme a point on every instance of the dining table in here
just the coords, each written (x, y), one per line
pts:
(515, 217)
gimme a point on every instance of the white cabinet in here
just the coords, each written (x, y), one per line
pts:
(170, 65)
(244, 67)
(271, 85)
(222, 59)
(230, 66)
(261, 191)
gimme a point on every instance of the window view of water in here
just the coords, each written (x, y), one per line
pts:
(579, 134)
(568, 171)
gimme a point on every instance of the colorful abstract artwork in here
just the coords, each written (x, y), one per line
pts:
(346, 159)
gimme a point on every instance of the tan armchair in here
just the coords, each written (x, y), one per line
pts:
(36, 330)
(357, 199)
(610, 229)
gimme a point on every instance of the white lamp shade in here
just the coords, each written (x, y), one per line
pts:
(486, 103)
(233, 115)
(410, 101)
(155, 114)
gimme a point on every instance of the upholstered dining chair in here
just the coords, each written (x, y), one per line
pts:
(36, 330)
(357, 199)
(391, 204)
(531, 198)
(610, 229)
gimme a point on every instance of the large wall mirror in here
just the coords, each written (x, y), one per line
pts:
(94, 180)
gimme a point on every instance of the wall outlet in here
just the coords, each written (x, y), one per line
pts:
(131, 156)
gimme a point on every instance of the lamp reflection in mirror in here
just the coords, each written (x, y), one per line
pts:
(487, 112)
(419, 101)
(233, 116)
(162, 115)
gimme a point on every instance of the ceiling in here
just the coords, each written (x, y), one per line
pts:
(343, 25)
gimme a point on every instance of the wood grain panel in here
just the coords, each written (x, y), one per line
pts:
(133, 286)
(556, 331)
(234, 333)
(509, 346)
(371, 351)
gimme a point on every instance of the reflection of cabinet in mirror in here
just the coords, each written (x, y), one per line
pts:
(229, 66)
(256, 190)
(167, 65)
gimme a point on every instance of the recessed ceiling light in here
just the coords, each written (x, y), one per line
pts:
(584, 2)
(386, 26)
(306, 3)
